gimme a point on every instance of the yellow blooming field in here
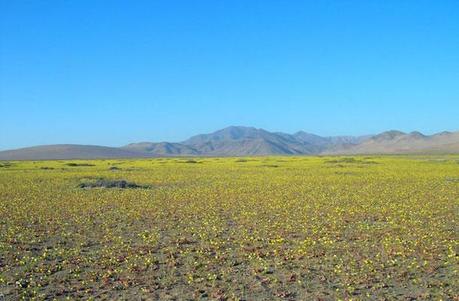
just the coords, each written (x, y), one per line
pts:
(255, 228)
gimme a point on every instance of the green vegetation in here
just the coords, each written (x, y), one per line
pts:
(329, 228)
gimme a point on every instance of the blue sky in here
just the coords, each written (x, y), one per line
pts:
(114, 72)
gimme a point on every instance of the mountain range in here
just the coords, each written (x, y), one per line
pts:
(250, 141)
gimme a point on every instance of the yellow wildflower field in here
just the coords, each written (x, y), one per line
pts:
(255, 228)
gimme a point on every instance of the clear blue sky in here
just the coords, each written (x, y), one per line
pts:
(114, 72)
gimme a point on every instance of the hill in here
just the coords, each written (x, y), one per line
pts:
(241, 141)
(67, 151)
(396, 142)
(161, 148)
(250, 141)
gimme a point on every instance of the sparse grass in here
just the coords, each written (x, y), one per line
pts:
(226, 231)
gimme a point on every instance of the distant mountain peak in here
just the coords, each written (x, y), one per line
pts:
(237, 132)
(301, 132)
(237, 128)
(417, 134)
(444, 133)
(388, 135)
(305, 134)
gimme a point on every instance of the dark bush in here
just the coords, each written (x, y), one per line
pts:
(270, 165)
(190, 161)
(104, 183)
(79, 164)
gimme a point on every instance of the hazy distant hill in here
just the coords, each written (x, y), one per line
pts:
(396, 142)
(161, 148)
(67, 151)
(329, 143)
(244, 141)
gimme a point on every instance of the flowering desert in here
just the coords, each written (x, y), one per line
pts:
(254, 228)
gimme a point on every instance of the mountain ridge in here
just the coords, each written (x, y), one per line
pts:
(246, 141)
